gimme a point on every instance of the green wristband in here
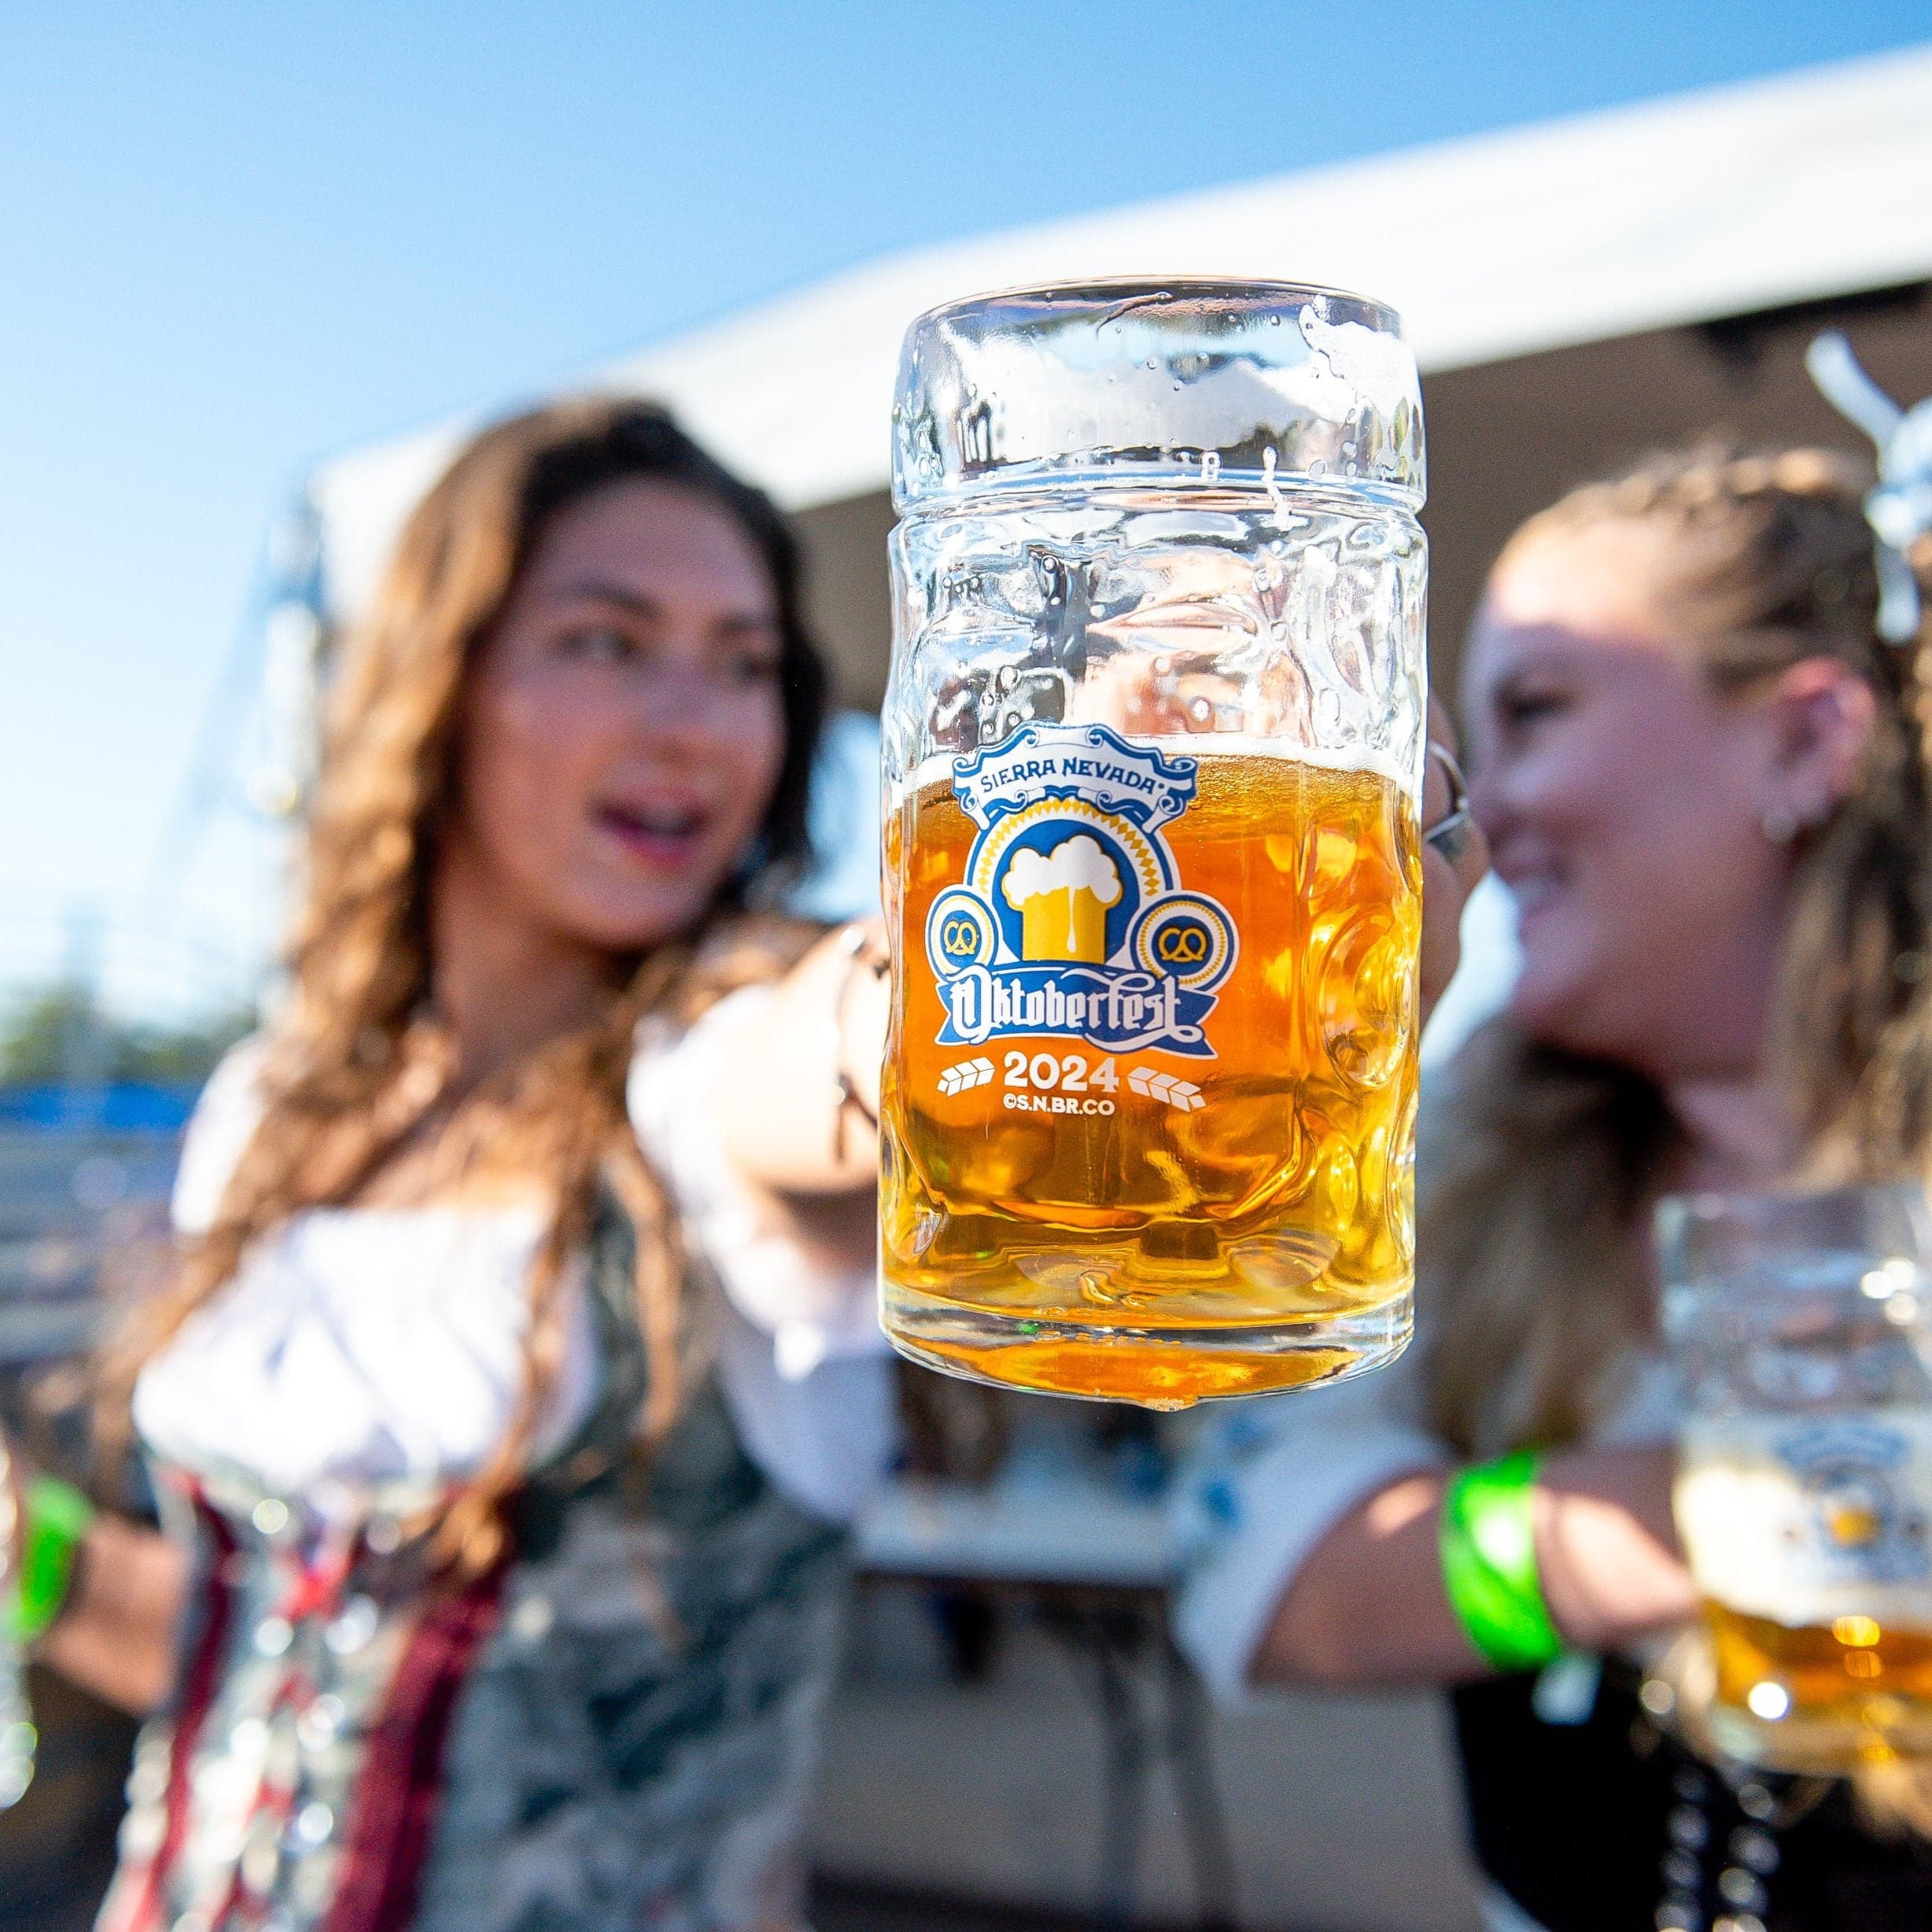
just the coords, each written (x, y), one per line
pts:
(56, 1518)
(1489, 1563)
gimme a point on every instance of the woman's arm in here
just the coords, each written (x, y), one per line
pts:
(115, 1636)
(1367, 1606)
(786, 1123)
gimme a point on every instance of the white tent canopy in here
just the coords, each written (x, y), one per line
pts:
(1602, 225)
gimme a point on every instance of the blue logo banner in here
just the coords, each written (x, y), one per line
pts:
(1072, 920)
(1093, 762)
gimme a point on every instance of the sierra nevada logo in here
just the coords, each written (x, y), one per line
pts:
(1072, 919)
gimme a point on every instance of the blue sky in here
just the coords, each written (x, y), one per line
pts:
(235, 238)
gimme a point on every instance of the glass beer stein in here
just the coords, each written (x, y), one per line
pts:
(1803, 1495)
(1153, 755)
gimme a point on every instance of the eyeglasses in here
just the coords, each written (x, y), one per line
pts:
(1451, 832)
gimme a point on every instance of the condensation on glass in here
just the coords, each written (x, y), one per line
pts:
(1153, 752)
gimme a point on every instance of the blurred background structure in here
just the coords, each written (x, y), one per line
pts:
(1578, 289)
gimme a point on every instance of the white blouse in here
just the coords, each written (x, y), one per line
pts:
(364, 1346)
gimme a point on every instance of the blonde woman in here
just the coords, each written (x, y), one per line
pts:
(1704, 774)
(522, 1367)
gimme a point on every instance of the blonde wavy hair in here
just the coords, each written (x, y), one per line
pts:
(356, 1064)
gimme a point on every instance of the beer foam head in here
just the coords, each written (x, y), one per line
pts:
(1078, 862)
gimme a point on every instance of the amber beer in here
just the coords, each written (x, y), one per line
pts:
(1813, 1551)
(1131, 1170)
(1152, 741)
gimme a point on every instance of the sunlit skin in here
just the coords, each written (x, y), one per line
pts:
(1622, 796)
(621, 735)
(1626, 801)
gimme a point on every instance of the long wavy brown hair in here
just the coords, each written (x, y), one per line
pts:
(355, 1064)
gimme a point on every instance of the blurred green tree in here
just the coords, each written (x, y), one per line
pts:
(61, 1035)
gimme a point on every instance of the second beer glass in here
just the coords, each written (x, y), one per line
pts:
(1803, 1499)
(1154, 743)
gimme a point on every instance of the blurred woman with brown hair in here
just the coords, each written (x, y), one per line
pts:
(517, 1376)
(1706, 778)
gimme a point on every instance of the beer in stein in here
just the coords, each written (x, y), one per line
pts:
(1803, 1495)
(1153, 755)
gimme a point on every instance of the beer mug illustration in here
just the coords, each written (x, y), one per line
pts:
(1804, 1496)
(1153, 748)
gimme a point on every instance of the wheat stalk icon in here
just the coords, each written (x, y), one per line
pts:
(1182, 1095)
(965, 1074)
